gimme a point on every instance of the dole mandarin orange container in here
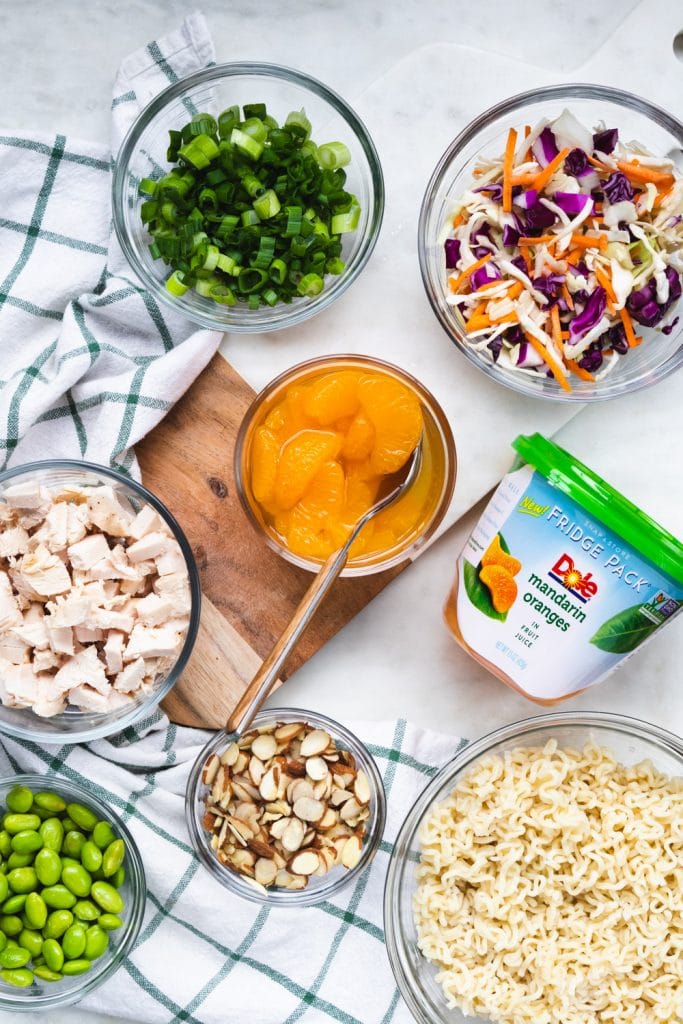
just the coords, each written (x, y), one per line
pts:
(320, 442)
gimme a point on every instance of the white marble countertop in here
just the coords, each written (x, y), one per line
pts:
(396, 658)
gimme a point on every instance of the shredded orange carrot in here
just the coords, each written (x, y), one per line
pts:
(523, 178)
(566, 296)
(573, 254)
(631, 338)
(460, 280)
(564, 335)
(508, 162)
(477, 323)
(544, 176)
(507, 318)
(600, 165)
(589, 241)
(662, 196)
(556, 326)
(514, 290)
(635, 172)
(477, 172)
(488, 284)
(527, 259)
(458, 220)
(597, 206)
(579, 370)
(541, 240)
(555, 367)
(527, 133)
(606, 283)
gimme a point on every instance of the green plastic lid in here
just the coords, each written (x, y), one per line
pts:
(590, 491)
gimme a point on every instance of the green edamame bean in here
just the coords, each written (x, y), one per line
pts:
(23, 880)
(103, 835)
(14, 823)
(5, 843)
(112, 858)
(52, 832)
(19, 860)
(41, 812)
(76, 879)
(73, 941)
(32, 941)
(50, 801)
(14, 905)
(110, 922)
(35, 910)
(10, 924)
(4, 888)
(12, 943)
(57, 923)
(11, 958)
(107, 897)
(54, 954)
(25, 921)
(74, 841)
(119, 878)
(58, 897)
(98, 876)
(91, 856)
(3, 941)
(69, 824)
(85, 818)
(72, 967)
(20, 978)
(48, 866)
(45, 974)
(96, 941)
(85, 910)
(19, 799)
(27, 841)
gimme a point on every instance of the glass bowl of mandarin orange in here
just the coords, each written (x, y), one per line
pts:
(317, 447)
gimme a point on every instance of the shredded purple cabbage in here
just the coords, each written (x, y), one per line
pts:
(494, 188)
(494, 346)
(591, 359)
(669, 327)
(526, 199)
(452, 247)
(514, 335)
(483, 231)
(518, 262)
(605, 141)
(584, 321)
(545, 148)
(643, 306)
(539, 217)
(576, 163)
(572, 203)
(617, 188)
(483, 275)
(615, 338)
(510, 236)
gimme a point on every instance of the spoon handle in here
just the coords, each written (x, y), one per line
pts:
(266, 677)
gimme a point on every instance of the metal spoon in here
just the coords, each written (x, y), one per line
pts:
(266, 677)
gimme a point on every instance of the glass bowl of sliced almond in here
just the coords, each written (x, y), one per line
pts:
(288, 812)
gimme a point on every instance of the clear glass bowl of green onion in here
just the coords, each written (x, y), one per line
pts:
(248, 196)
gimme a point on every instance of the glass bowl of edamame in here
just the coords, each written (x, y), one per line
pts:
(72, 892)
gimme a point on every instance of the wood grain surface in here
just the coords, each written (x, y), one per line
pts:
(250, 592)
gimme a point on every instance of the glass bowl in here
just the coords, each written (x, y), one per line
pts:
(439, 461)
(628, 739)
(636, 118)
(318, 888)
(74, 725)
(51, 995)
(143, 155)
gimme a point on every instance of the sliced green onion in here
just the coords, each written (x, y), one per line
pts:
(310, 284)
(203, 124)
(227, 120)
(176, 283)
(250, 217)
(256, 128)
(147, 187)
(333, 154)
(251, 279)
(278, 271)
(246, 144)
(255, 110)
(270, 296)
(334, 266)
(267, 205)
(266, 251)
(294, 217)
(223, 295)
(226, 263)
(343, 222)
(298, 122)
(199, 152)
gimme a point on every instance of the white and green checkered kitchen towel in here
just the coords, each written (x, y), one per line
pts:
(90, 361)
(206, 956)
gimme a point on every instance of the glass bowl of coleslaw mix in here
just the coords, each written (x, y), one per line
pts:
(630, 742)
(551, 242)
(248, 196)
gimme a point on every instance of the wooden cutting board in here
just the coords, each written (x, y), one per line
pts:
(249, 592)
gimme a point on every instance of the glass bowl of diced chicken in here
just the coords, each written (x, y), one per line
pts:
(99, 601)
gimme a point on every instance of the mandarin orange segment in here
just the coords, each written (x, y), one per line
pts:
(501, 585)
(324, 496)
(264, 458)
(333, 397)
(289, 416)
(396, 414)
(359, 439)
(494, 555)
(300, 459)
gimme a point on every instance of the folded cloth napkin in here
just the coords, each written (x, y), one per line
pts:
(205, 956)
(90, 361)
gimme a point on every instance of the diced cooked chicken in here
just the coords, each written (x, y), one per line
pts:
(10, 613)
(21, 685)
(44, 572)
(86, 635)
(8, 515)
(27, 494)
(14, 541)
(48, 703)
(107, 513)
(61, 639)
(25, 594)
(113, 652)
(86, 553)
(33, 633)
(151, 642)
(134, 587)
(153, 610)
(84, 669)
(45, 660)
(172, 560)
(175, 589)
(71, 610)
(87, 699)
(131, 678)
(146, 521)
(13, 648)
(150, 546)
(109, 618)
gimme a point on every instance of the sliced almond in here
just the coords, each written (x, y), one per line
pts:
(256, 770)
(350, 810)
(221, 784)
(209, 821)
(339, 797)
(314, 743)
(328, 820)
(316, 769)
(240, 830)
(244, 790)
(283, 878)
(210, 769)
(264, 729)
(298, 789)
(265, 871)
(241, 763)
(269, 784)
(278, 827)
(293, 836)
(351, 852)
(297, 769)
(264, 747)
(286, 733)
(261, 848)
(308, 809)
(361, 788)
(230, 755)
(304, 863)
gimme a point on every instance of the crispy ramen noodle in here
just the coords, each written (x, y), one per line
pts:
(550, 890)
